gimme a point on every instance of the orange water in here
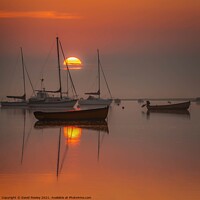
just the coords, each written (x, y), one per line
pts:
(142, 157)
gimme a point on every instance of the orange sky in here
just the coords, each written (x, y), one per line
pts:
(122, 30)
(116, 22)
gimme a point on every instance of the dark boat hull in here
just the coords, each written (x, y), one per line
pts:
(91, 114)
(169, 107)
(178, 112)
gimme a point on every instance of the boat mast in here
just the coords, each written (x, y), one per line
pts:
(57, 42)
(23, 73)
(99, 78)
(100, 68)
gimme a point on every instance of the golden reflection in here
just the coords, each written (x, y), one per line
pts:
(72, 134)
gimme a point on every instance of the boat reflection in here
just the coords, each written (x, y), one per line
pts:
(100, 125)
(23, 135)
(178, 113)
(72, 132)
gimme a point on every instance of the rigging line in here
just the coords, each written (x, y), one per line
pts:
(63, 159)
(68, 69)
(24, 126)
(47, 58)
(45, 63)
(98, 146)
(29, 79)
(29, 133)
(26, 139)
(58, 158)
(102, 139)
(105, 79)
(69, 87)
(67, 84)
(92, 82)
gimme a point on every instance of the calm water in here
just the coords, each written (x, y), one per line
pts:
(142, 156)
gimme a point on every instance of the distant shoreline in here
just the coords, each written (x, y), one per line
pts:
(159, 99)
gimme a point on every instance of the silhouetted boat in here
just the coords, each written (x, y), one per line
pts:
(95, 98)
(168, 107)
(18, 101)
(178, 112)
(197, 99)
(90, 114)
(43, 100)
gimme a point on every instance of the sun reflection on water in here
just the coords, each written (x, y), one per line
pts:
(72, 134)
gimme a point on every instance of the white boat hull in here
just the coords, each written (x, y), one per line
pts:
(52, 104)
(14, 104)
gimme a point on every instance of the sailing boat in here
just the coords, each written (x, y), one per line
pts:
(44, 100)
(19, 101)
(94, 98)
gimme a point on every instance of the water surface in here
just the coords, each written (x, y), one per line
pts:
(141, 156)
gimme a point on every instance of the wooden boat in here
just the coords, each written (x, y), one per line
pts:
(95, 98)
(90, 114)
(166, 107)
(175, 112)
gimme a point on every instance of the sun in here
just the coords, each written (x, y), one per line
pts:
(73, 63)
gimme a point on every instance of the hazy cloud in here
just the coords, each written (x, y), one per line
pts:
(38, 15)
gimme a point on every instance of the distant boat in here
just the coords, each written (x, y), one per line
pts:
(43, 99)
(197, 99)
(168, 107)
(90, 114)
(18, 101)
(174, 112)
(95, 97)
